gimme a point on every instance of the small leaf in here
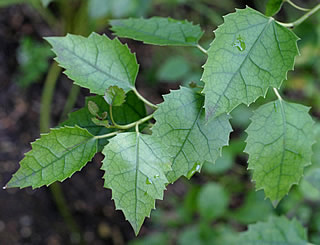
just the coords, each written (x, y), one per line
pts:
(277, 230)
(158, 31)
(55, 157)
(181, 125)
(279, 145)
(96, 62)
(273, 7)
(250, 53)
(93, 108)
(132, 110)
(103, 123)
(115, 96)
(135, 166)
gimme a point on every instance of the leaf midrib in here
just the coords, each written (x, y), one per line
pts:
(239, 69)
(72, 148)
(98, 69)
(155, 35)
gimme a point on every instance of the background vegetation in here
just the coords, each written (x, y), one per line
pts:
(210, 207)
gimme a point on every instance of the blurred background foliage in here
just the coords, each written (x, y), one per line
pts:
(213, 205)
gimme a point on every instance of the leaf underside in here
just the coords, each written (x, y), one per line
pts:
(250, 53)
(279, 145)
(132, 110)
(191, 140)
(55, 157)
(135, 167)
(96, 62)
(158, 31)
(277, 230)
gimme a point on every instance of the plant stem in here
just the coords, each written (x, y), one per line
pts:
(71, 100)
(144, 99)
(130, 125)
(47, 94)
(296, 6)
(203, 50)
(301, 19)
(45, 112)
(277, 94)
(45, 14)
(107, 135)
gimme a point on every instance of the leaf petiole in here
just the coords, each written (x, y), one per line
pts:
(203, 50)
(107, 135)
(277, 94)
(301, 19)
(144, 99)
(296, 6)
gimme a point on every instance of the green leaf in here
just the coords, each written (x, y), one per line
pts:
(93, 108)
(55, 157)
(273, 7)
(135, 167)
(115, 96)
(96, 62)
(250, 53)
(158, 31)
(182, 126)
(132, 110)
(212, 201)
(279, 145)
(277, 230)
(314, 178)
(33, 61)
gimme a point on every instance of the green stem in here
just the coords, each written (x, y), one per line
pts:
(47, 94)
(45, 112)
(107, 135)
(144, 99)
(203, 50)
(130, 125)
(45, 14)
(71, 100)
(277, 94)
(296, 6)
(301, 19)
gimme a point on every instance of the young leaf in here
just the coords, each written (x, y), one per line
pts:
(115, 96)
(181, 125)
(96, 62)
(93, 108)
(135, 167)
(273, 7)
(277, 230)
(132, 110)
(279, 145)
(250, 53)
(55, 157)
(158, 31)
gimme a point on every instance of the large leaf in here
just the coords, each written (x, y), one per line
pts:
(55, 157)
(250, 53)
(273, 7)
(279, 145)
(132, 110)
(277, 230)
(181, 125)
(96, 62)
(158, 31)
(135, 167)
